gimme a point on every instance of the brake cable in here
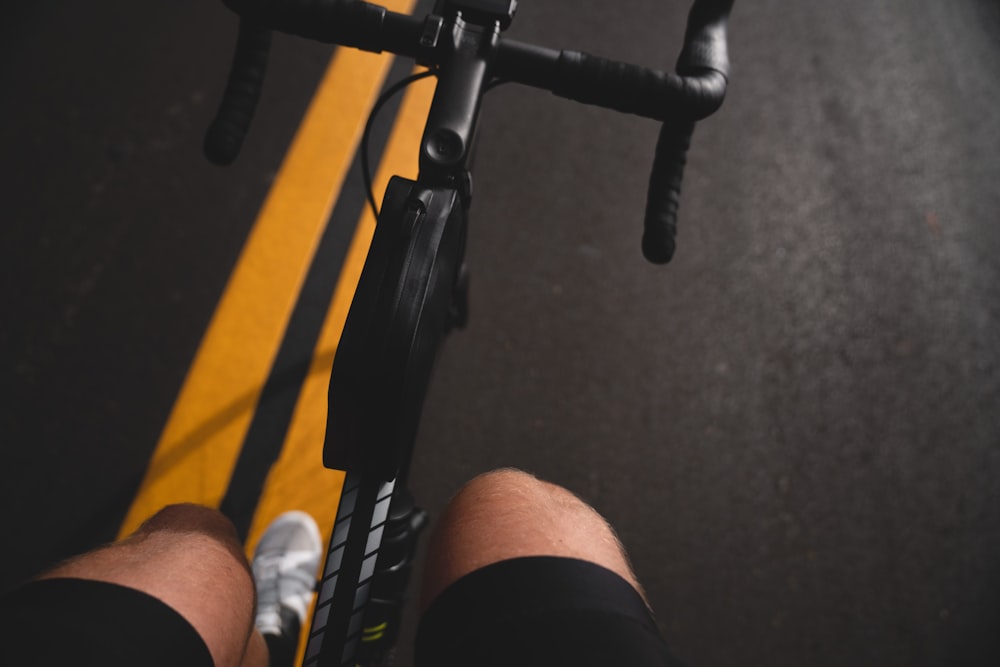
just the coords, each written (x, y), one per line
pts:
(366, 173)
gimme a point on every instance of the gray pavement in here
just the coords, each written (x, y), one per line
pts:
(795, 427)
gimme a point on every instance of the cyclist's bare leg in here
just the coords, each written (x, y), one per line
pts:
(190, 558)
(510, 514)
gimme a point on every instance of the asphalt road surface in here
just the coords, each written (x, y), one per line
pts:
(795, 427)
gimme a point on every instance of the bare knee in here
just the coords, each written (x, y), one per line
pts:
(189, 557)
(510, 514)
(188, 517)
(188, 521)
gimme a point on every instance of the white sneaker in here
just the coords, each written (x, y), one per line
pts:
(284, 570)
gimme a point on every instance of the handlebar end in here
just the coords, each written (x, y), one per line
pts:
(663, 200)
(239, 100)
(222, 143)
(658, 247)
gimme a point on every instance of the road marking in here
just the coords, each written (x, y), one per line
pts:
(298, 479)
(201, 441)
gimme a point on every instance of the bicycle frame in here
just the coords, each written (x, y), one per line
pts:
(398, 319)
(405, 301)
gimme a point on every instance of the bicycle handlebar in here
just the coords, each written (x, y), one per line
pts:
(678, 100)
(225, 135)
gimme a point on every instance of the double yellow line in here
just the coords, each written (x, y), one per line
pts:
(199, 446)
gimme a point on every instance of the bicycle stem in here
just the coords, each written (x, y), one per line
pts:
(454, 113)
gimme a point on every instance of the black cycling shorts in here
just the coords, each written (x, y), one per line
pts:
(527, 612)
(82, 622)
(540, 611)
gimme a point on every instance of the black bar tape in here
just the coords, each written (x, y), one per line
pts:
(347, 22)
(637, 90)
(627, 88)
(703, 94)
(663, 199)
(239, 101)
(704, 68)
(705, 40)
(526, 63)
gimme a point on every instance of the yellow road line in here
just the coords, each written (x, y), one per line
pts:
(198, 448)
(298, 479)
